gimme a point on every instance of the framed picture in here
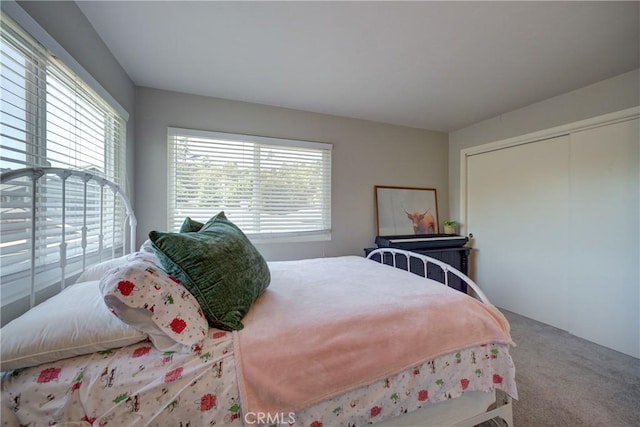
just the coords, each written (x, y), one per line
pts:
(406, 210)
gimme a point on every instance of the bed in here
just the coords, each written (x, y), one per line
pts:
(143, 338)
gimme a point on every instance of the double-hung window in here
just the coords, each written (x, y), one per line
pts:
(271, 188)
(51, 118)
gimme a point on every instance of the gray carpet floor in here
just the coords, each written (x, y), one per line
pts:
(564, 380)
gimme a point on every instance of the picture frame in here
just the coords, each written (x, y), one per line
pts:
(406, 211)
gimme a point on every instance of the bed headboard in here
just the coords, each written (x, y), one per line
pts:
(54, 223)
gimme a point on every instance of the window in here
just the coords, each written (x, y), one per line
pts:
(269, 187)
(51, 117)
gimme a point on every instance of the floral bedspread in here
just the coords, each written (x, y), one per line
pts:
(482, 368)
(134, 385)
(138, 385)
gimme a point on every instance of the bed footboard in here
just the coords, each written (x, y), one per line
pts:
(421, 264)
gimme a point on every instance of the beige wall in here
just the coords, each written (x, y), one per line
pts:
(364, 154)
(607, 96)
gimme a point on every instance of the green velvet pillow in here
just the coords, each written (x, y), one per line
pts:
(218, 265)
(191, 225)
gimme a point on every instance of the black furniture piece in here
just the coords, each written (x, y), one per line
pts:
(449, 250)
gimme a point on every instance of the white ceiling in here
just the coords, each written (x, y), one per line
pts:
(433, 65)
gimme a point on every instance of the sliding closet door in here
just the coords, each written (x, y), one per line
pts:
(556, 225)
(517, 211)
(604, 236)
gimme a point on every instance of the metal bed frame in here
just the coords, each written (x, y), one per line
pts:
(35, 174)
(406, 260)
(398, 258)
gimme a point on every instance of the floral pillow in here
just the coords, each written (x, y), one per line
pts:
(144, 296)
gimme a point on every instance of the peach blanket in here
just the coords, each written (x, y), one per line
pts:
(329, 325)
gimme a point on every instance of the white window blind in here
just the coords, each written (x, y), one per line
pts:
(50, 117)
(269, 187)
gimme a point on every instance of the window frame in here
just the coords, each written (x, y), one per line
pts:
(320, 234)
(31, 26)
(48, 62)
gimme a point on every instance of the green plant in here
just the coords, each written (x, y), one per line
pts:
(451, 223)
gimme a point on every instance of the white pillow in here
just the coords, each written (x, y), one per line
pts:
(95, 272)
(147, 247)
(144, 296)
(76, 321)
